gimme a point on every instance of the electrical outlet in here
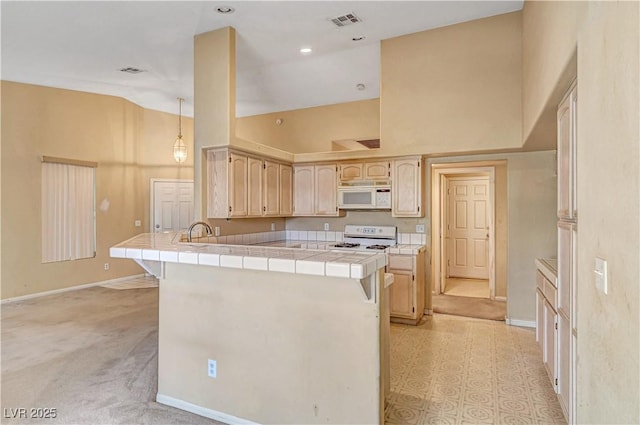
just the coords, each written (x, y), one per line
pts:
(137, 223)
(212, 370)
(326, 227)
(419, 228)
(106, 266)
(273, 227)
(216, 231)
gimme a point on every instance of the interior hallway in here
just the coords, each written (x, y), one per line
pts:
(92, 355)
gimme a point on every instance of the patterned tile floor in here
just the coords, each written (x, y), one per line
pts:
(456, 370)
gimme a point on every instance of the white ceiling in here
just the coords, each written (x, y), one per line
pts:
(81, 45)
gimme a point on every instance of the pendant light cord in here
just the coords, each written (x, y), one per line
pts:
(180, 118)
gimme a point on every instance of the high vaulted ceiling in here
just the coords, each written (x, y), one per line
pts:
(82, 45)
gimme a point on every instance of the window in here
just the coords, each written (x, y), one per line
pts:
(68, 210)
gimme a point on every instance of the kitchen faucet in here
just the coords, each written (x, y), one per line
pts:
(203, 224)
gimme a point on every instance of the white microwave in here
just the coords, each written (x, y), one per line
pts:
(364, 197)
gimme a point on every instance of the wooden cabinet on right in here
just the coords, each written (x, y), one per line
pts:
(407, 176)
(567, 142)
(547, 325)
(406, 294)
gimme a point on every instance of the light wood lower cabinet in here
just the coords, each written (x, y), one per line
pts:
(244, 185)
(564, 363)
(406, 294)
(547, 319)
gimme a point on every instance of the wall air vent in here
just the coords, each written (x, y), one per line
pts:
(346, 19)
(132, 70)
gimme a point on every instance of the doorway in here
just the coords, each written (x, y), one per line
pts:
(466, 212)
(171, 205)
(463, 205)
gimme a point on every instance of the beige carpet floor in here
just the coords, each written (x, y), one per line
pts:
(91, 354)
(479, 308)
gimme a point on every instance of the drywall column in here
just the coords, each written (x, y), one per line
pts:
(214, 101)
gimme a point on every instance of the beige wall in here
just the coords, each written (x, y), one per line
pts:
(548, 44)
(608, 213)
(130, 144)
(606, 36)
(214, 101)
(309, 355)
(453, 89)
(313, 129)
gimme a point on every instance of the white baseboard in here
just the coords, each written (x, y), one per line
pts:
(71, 288)
(521, 323)
(501, 299)
(202, 411)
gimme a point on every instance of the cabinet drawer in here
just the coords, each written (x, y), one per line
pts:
(550, 293)
(540, 280)
(401, 262)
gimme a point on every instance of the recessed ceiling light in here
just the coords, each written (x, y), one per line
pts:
(358, 38)
(132, 70)
(305, 50)
(225, 9)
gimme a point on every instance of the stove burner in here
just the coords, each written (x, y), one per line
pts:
(377, 247)
(346, 245)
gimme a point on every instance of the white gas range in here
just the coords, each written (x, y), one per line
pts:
(367, 238)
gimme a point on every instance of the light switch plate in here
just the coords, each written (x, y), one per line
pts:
(419, 228)
(601, 274)
(137, 223)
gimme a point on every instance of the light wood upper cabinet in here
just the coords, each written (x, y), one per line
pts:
(254, 187)
(351, 171)
(326, 193)
(243, 185)
(567, 156)
(286, 189)
(315, 190)
(271, 185)
(238, 184)
(406, 187)
(303, 189)
(377, 170)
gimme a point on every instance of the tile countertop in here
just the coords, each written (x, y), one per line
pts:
(293, 259)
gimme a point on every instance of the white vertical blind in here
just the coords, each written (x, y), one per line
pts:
(68, 212)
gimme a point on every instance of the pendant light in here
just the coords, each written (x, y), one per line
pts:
(179, 147)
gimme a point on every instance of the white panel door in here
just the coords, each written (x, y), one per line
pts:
(469, 228)
(172, 205)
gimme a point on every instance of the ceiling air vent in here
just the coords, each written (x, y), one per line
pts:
(346, 19)
(132, 70)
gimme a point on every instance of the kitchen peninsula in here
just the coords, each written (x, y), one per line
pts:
(268, 334)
